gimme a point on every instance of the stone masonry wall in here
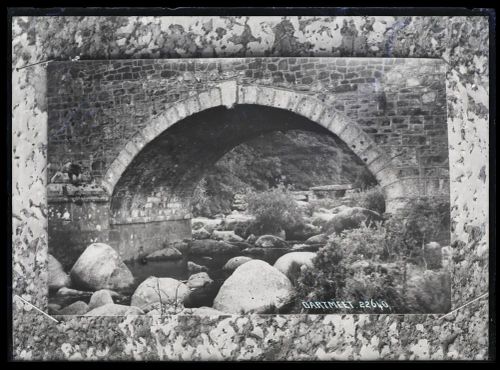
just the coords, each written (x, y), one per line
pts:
(95, 107)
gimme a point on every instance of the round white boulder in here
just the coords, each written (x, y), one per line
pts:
(100, 298)
(235, 262)
(254, 287)
(100, 267)
(165, 290)
(285, 263)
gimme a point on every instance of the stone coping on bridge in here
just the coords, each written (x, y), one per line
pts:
(65, 192)
(332, 187)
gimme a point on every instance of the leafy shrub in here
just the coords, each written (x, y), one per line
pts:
(370, 263)
(332, 264)
(372, 198)
(423, 221)
(294, 272)
(379, 284)
(274, 209)
(350, 219)
(428, 220)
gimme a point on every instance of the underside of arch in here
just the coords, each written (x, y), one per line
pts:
(216, 129)
(159, 182)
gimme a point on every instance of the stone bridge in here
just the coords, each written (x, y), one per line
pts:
(142, 133)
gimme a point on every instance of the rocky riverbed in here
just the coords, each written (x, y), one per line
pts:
(206, 273)
(220, 271)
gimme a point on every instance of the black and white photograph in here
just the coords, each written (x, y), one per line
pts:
(281, 187)
(260, 185)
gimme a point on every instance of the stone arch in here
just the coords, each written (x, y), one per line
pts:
(230, 93)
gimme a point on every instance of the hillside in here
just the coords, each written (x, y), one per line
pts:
(300, 159)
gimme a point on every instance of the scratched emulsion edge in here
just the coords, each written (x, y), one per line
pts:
(461, 41)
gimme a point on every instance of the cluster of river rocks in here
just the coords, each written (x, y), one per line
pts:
(252, 285)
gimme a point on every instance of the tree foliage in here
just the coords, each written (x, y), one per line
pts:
(275, 209)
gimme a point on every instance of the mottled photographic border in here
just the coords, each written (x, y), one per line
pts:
(460, 40)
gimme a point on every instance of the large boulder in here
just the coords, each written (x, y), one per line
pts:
(209, 224)
(100, 267)
(165, 254)
(100, 298)
(227, 236)
(270, 241)
(317, 239)
(57, 277)
(165, 290)
(235, 262)
(76, 308)
(302, 232)
(263, 253)
(194, 267)
(203, 291)
(198, 280)
(306, 247)
(350, 218)
(112, 309)
(182, 246)
(290, 263)
(254, 287)
(212, 247)
(320, 218)
(201, 234)
(237, 221)
(242, 245)
(251, 239)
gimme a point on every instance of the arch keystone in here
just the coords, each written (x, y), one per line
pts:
(228, 93)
